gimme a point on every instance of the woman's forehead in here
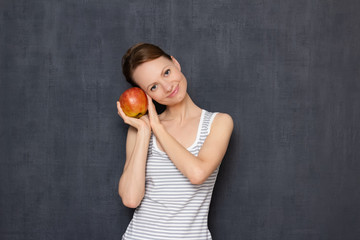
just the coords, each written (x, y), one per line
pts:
(155, 63)
(151, 69)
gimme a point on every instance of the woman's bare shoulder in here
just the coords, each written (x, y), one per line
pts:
(223, 118)
(223, 121)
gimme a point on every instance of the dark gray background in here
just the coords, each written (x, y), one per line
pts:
(287, 72)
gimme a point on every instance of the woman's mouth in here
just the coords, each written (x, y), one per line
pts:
(176, 90)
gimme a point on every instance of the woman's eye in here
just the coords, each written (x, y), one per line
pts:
(167, 72)
(153, 88)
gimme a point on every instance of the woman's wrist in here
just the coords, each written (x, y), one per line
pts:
(157, 128)
(144, 130)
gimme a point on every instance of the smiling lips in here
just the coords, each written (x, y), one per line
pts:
(176, 90)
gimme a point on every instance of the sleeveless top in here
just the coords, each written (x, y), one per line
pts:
(172, 207)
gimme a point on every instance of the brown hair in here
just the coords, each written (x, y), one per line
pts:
(138, 54)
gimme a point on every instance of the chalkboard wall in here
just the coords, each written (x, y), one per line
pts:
(286, 71)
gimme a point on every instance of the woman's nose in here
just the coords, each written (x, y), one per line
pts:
(167, 86)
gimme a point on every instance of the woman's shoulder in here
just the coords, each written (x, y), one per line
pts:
(220, 116)
(221, 121)
(223, 118)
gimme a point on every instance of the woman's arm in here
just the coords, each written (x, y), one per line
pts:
(196, 168)
(132, 180)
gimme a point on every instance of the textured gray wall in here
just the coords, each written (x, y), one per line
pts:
(287, 71)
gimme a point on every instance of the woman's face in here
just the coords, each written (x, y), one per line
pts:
(162, 80)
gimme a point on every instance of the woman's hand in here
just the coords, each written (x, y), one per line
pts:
(152, 114)
(142, 123)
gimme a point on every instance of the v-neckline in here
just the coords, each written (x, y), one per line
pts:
(196, 139)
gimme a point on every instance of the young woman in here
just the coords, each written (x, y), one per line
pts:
(172, 159)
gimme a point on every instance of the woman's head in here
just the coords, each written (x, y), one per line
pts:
(138, 54)
(157, 73)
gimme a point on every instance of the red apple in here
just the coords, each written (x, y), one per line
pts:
(133, 102)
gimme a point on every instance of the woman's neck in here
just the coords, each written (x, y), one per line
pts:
(181, 111)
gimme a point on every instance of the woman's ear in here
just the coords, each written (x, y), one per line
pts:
(177, 64)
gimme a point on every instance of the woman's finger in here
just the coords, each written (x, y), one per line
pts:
(151, 106)
(134, 122)
(120, 111)
(150, 103)
(153, 116)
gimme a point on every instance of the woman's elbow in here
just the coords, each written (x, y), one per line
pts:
(198, 177)
(130, 202)
(197, 181)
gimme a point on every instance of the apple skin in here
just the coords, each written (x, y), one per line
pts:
(134, 102)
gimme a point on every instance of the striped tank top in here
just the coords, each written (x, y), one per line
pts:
(172, 207)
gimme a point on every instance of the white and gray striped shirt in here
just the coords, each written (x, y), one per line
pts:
(172, 207)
